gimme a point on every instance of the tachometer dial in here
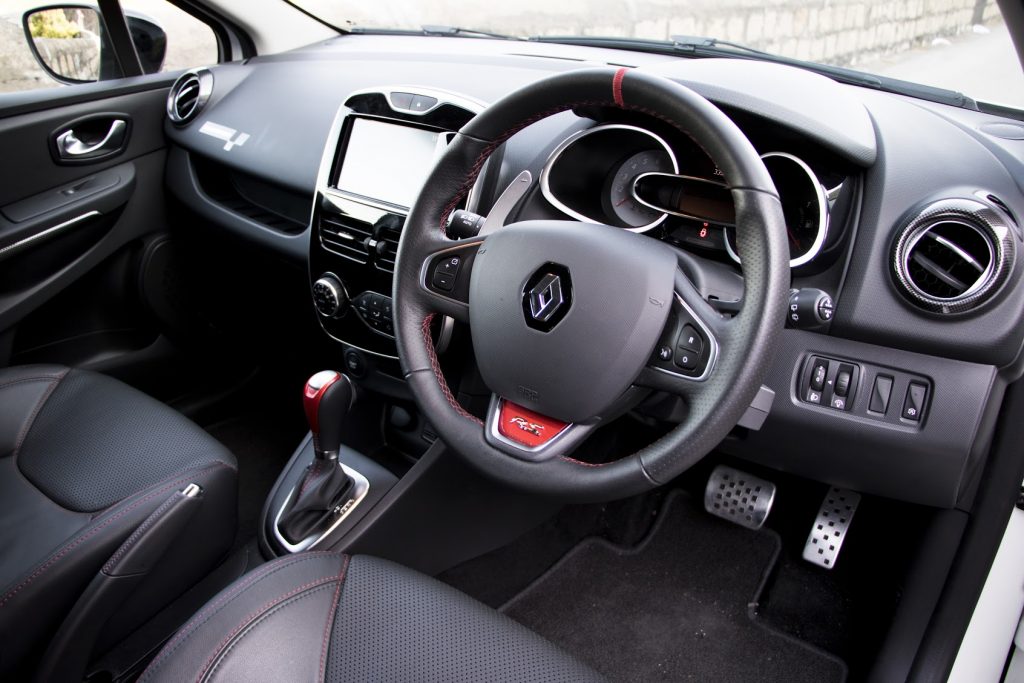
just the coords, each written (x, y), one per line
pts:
(623, 203)
(804, 207)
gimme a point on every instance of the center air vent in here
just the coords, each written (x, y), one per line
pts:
(954, 255)
(189, 95)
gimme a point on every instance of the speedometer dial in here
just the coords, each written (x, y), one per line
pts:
(804, 207)
(623, 202)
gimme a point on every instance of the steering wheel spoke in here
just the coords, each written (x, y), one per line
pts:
(694, 339)
(444, 278)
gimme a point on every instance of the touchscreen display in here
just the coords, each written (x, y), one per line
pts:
(388, 162)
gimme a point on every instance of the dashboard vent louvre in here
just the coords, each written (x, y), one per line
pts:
(189, 95)
(953, 256)
(344, 237)
(387, 249)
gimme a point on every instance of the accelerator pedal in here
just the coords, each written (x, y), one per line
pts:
(739, 497)
(830, 527)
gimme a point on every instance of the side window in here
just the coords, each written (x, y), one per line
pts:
(190, 42)
(69, 45)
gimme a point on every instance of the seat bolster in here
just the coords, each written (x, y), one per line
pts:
(34, 603)
(23, 391)
(273, 624)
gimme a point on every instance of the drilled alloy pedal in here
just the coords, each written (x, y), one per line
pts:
(739, 497)
(830, 527)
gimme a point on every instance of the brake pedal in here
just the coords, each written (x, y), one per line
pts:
(831, 526)
(739, 497)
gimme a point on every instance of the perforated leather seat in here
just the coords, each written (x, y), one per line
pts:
(321, 616)
(84, 460)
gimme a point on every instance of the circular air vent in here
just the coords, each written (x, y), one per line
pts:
(189, 95)
(954, 255)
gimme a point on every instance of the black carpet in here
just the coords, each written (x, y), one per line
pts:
(262, 443)
(680, 606)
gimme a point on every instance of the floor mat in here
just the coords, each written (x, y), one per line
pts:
(677, 607)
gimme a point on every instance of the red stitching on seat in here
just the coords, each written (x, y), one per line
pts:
(35, 413)
(137, 534)
(96, 529)
(330, 619)
(316, 583)
(617, 87)
(246, 582)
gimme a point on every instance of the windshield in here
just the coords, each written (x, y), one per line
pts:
(960, 45)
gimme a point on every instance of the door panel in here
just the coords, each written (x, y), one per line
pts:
(72, 233)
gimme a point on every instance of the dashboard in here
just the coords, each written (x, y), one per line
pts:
(906, 310)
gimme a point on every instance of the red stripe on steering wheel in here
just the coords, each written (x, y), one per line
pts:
(617, 87)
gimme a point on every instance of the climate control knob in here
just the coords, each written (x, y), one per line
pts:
(328, 296)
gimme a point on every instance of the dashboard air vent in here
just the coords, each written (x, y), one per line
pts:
(345, 237)
(189, 95)
(387, 249)
(954, 255)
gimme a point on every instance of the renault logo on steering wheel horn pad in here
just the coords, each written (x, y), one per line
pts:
(547, 296)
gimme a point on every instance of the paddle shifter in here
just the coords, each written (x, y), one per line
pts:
(327, 398)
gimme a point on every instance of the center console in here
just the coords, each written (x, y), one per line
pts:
(382, 146)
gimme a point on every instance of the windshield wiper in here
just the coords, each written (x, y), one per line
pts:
(697, 46)
(436, 30)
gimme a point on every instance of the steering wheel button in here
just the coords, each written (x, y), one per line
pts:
(450, 266)
(526, 427)
(443, 281)
(689, 340)
(687, 360)
(665, 353)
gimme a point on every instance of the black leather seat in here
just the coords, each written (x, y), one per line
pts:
(84, 460)
(321, 616)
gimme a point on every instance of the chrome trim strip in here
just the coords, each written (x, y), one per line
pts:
(360, 487)
(823, 220)
(545, 172)
(494, 415)
(35, 237)
(713, 354)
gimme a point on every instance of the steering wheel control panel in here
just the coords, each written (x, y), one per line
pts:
(685, 347)
(892, 396)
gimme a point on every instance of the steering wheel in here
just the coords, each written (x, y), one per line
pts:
(570, 321)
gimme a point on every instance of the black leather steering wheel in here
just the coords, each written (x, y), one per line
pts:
(568, 318)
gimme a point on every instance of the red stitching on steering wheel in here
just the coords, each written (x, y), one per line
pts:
(435, 364)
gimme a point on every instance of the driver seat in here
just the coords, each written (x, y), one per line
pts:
(325, 616)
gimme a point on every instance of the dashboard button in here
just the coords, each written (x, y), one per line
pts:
(843, 382)
(813, 396)
(913, 404)
(818, 374)
(880, 392)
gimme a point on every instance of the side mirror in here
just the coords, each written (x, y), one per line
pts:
(70, 43)
(149, 39)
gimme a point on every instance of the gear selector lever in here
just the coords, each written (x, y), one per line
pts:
(327, 398)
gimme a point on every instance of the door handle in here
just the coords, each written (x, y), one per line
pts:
(69, 146)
